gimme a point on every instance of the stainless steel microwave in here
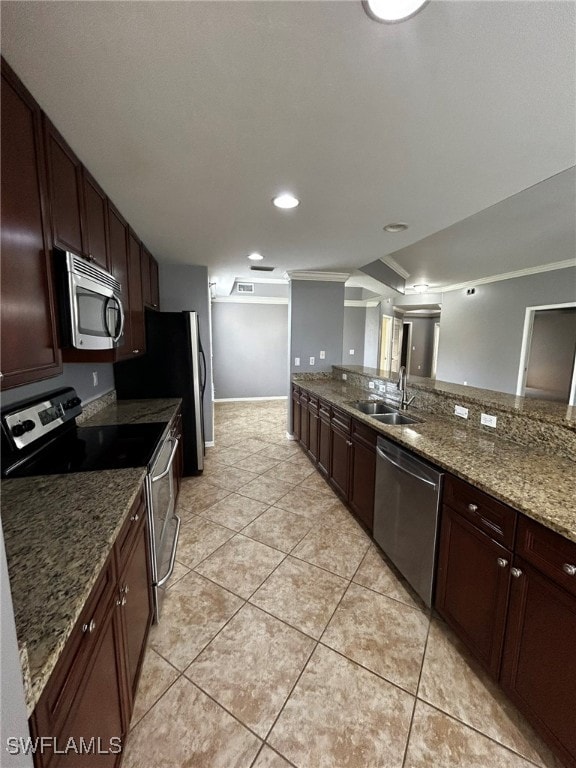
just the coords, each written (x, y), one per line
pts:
(91, 303)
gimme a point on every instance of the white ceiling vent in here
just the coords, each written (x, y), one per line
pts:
(245, 287)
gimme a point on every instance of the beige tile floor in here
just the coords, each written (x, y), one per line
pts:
(287, 640)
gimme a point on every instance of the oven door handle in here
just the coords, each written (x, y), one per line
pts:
(165, 578)
(170, 460)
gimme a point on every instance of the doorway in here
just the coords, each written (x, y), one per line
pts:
(436, 344)
(548, 359)
(384, 362)
(406, 352)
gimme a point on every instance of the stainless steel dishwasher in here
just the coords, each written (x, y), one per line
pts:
(406, 507)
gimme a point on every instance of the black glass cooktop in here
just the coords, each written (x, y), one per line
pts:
(87, 449)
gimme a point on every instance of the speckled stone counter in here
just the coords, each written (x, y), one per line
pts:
(135, 412)
(59, 531)
(540, 485)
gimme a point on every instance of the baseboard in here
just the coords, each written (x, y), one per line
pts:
(209, 444)
(248, 399)
(290, 437)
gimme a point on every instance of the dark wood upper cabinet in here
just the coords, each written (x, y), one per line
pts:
(154, 284)
(29, 335)
(118, 244)
(65, 191)
(137, 327)
(96, 221)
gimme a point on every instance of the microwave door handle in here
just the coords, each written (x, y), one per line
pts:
(116, 338)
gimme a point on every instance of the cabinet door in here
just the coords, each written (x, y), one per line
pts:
(313, 434)
(324, 439)
(135, 293)
(538, 669)
(145, 263)
(363, 479)
(473, 578)
(296, 413)
(29, 338)
(136, 605)
(304, 421)
(66, 198)
(340, 460)
(154, 283)
(117, 238)
(97, 716)
(96, 225)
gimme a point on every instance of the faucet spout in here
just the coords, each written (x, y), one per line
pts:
(405, 400)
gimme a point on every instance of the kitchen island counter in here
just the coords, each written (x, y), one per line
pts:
(539, 484)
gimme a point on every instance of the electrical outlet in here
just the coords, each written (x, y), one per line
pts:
(322, 355)
(351, 351)
(312, 360)
(344, 377)
(488, 420)
(381, 388)
(95, 378)
(460, 411)
(370, 385)
(296, 361)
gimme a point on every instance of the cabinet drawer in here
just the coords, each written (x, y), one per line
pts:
(364, 433)
(324, 410)
(130, 529)
(60, 692)
(341, 419)
(313, 405)
(491, 516)
(551, 553)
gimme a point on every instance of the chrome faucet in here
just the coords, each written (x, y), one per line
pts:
(404, 401)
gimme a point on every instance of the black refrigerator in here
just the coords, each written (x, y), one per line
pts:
(174, 366)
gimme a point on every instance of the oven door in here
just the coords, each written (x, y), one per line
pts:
(96, 313)
(164, 524)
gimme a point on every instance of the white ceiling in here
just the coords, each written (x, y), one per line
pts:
(193, 115)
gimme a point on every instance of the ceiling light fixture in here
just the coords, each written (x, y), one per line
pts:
(392, 11)
(421, 287)
(255, 256)
(286, 201)
(396, 227)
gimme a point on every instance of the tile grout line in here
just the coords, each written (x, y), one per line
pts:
(409, 734)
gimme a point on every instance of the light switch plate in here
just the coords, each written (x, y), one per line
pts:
(296, 361)
(461, 411)
(344, 377)
(488, 420)
(312, 360)
(351, 351)
(322, 355)
(370, 385)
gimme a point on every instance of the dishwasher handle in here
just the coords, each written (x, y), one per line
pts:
(404, 469)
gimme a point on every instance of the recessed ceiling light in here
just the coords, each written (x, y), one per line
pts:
(396, 227)
(286, 200)
(421, 287)
(392, 11)
(255, 256)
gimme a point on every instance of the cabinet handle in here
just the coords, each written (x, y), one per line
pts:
(569, 569)
(121, 601)
(125, 589)
(502, 562)
(135, 517)
(135, 351)
(473, 507)
(349, 443)
(89, 627)
(516, 572)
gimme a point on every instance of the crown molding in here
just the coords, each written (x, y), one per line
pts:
(248, 299)
(331, 277)
(506, 276)
(389, 261)
(263, 280)
(361, 303)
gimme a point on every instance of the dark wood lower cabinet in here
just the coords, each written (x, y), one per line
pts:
(340, 459)
(87, 703)
(324, 439)
(539, 666)
(363, 473)
(473, 578)
(296, 412)
(304, 421)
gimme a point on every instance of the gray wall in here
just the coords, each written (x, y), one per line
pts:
(77, 375)
(354, 333)
(276, 290)
(185, 287)
(250, 350)
(481, 335)
(552, 352)
(422, 344)
(316, 321)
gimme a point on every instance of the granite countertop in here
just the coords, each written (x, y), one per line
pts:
(59, 531)
(135, 412)
(540, 485)
(543, 410)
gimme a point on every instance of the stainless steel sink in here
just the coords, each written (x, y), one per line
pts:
(395, 418)
(373, 407)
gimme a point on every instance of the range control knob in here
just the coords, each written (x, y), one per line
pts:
(18, 430)
(75, 401)
(28, 425)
